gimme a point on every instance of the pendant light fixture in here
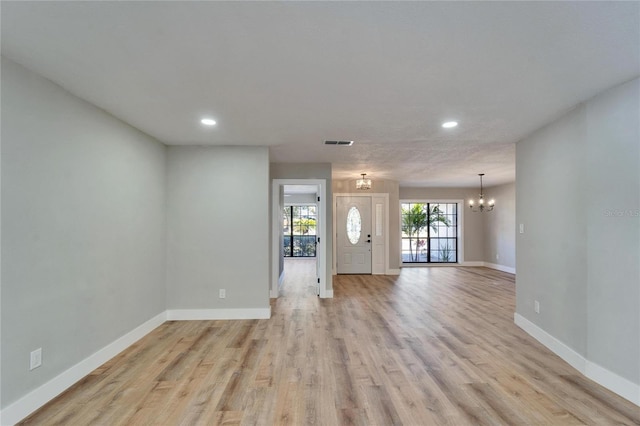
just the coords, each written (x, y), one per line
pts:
(363, 183)
(481, 204)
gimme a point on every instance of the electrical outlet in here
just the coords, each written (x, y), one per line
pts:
(536, 306)
(35, 359)
(497, 257)
(522, 228)
(222, 294)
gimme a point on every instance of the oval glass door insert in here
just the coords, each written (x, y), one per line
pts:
(354, 224)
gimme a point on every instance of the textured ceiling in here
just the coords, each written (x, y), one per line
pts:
(293, 74)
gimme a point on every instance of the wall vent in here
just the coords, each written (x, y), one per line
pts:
(339, 143)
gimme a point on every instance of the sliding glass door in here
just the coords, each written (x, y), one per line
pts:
(429, 232)
(299, 229)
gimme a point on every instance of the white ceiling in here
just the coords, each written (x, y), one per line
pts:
(293, 74)
(300, 189)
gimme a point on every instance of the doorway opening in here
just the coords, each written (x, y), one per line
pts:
(299, 230)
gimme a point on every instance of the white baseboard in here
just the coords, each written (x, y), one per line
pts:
(572, 357)
(472, 263)
(613, 382)
(273, 293)
(217, 314)
(328, 294)
(469, 263)
(593, 371)
(45, 393)
(500, 267)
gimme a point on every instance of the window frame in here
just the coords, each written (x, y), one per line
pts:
(459, 240)
(291, 236)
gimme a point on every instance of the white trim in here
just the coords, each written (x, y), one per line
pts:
(593, 371)
(500, 267)
(393, 271)
(329, 294)
(461, 212)
(217, 314)
(276, 231)
(45, 393)
(431, 265)
(323, 233)
(556, 346)
(470, 263)
(613, 382)
(275, 293)
(380, 270)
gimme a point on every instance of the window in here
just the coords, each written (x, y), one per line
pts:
(299, 229)
(429, 232)
(354, 225)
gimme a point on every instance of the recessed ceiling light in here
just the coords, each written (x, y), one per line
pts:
(208, 121)
(449, 124)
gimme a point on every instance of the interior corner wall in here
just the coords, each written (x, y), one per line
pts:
(500, 227)
(217, 227)
(311, 171)
(613, 230)
(83, 229)
(473, 225)
(578, 198)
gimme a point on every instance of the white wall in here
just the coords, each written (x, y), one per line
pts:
(500, 228)
(295, 199)
(613, 230)
(83, 229)
(218, 228)
(578, 196)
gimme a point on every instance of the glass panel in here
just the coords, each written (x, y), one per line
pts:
(354, 224)
(286, 220)
(429, 232)
(299, 228)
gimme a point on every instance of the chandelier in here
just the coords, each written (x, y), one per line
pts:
(363, 183)
(481, 206)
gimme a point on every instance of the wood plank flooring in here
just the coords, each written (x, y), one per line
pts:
(433, 346)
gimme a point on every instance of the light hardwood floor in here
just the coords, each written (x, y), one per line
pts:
(434, 346)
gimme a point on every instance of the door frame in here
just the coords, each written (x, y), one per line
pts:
(277, 199)
(385, 225)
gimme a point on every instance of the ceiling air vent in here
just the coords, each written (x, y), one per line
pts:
(339, 143)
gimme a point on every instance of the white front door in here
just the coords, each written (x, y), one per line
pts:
(353, 234)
